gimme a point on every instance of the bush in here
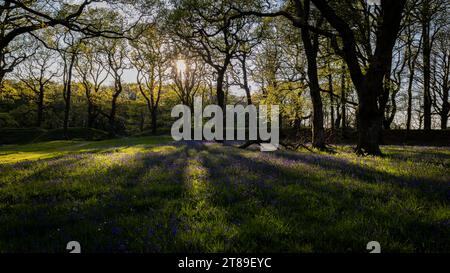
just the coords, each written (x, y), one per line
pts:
(6, 120)
(29, 135)
(19, 135)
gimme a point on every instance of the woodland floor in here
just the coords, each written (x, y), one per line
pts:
(153, 195)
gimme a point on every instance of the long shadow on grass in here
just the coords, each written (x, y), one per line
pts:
(281, 209)
(429, 187)
(141, 202)
(125, 208)
(26, 171)
(433, 155)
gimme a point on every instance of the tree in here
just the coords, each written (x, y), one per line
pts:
(432, 16)
(413, 47)
(392, 85)
(440, 69)
(93, 74)
(241, 73)
(367, 72)
(68, 46)
(13, 55)
(311, 46)
(205, 28)
(36, 73)
(116, 63)
(150, 58)
(367, 81)
(187, 78)
(268, 57)
(26, 17)
(241, 77)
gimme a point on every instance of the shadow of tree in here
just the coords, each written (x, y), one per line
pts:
(366, 173)
(119, 209)
(433, 155)
(307, 213)
(203, 197)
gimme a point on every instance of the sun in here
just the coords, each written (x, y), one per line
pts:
(181, 66)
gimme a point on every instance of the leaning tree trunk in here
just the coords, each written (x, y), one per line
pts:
(245, 78)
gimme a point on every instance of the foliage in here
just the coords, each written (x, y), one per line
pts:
(19, 135)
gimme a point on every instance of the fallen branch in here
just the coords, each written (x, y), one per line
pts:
(287, 145)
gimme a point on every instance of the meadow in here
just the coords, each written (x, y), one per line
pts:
(150, 194)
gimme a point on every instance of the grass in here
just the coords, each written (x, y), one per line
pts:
(153, 195)
(58, 148)
(32, 135)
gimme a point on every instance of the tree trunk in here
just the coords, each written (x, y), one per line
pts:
(310, 43)
(154, 117)
(369, 83)
(40, 107)
(90, 105)
(330, 87)
(68, 95)
(444, 121)
(245, 78)
(141, 121)
(2, 67)
(409, 110)
(369, 122)
(383, 101)
(426, 67)
(412, 68)
(91, 115)
(112, 115)
(387, 121)
(221, 96)
(369, 129)
(445, 108)
(318, 135)
(343, 101)
(219, 87)
(2, 76)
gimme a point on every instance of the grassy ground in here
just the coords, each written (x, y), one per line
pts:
(152, 195)
(33, 135)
